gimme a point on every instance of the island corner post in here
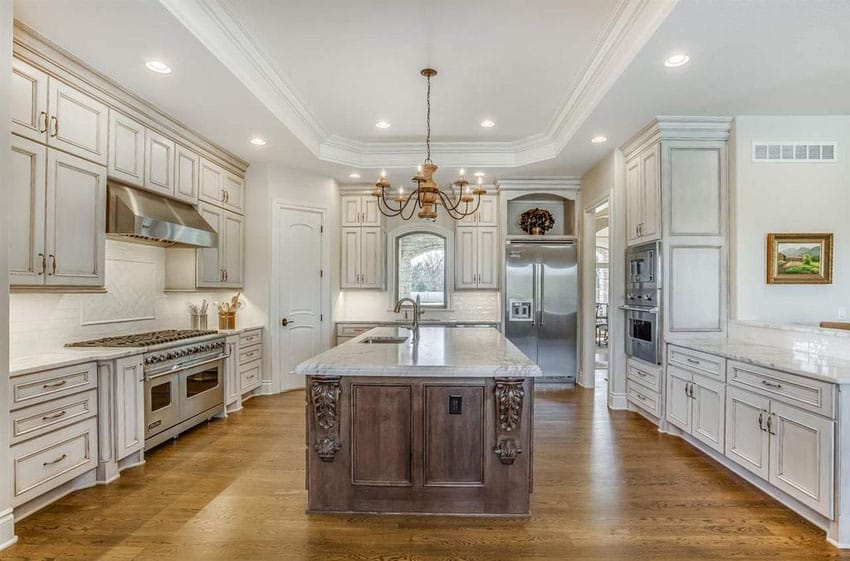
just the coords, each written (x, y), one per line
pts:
(420, 444)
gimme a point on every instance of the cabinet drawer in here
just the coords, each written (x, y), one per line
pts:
(47, 461)
(648, 377)
(250, 376)
(696, 361)
(812, 395)
(249, 338)
(353, 330)
(51, 384)
(645, 399)
(250, 354)
(52, 415)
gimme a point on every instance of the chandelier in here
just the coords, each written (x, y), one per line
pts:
(427, 195)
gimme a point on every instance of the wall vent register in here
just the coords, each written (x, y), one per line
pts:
(819, 152)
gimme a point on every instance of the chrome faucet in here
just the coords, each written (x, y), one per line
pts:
(417, 305)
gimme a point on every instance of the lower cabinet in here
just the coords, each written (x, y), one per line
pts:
(231, 373)
(129, 406)
(792, 449)
(695, 404)
(643, 386)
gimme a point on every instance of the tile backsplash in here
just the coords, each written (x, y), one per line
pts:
(135, 301)
(374, 305)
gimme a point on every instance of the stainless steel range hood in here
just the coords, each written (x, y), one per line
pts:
(134, 215)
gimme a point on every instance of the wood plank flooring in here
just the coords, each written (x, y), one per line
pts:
(607, 487)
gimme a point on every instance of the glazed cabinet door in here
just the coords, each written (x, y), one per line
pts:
(350, 255)
(487, 258)
(801, 456)
(186, 175)
(708, 414)
(29, 101)
(747, 441)
(212, 182)
(679, 398)
(633, 200)
(234, 193)
(465, 259)
(488, 211)
(75, 221)
(159, 163)
(351, 211)
(371, 257)
(369, 212)
(233, 236)
(27, 257)
(126, 149)
(210, 269)
(231, 371)
(650, 224)
(129, 406)
(78, 123)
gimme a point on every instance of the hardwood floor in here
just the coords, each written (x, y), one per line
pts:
(607, 487)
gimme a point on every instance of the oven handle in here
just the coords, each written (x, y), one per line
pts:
(638, 309)
(185, 366)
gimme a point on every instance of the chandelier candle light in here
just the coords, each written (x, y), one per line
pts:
(427, 195)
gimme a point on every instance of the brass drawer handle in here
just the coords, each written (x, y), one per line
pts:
(771, 384)
(43, 264)
(55, 122)
(56, 416)
(43, 122)
(693, 361)
(56, 385)
(56, 461)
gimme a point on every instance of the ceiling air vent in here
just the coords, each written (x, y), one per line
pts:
(819, 152)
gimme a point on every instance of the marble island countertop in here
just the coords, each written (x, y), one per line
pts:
(803, 361)
(440, 352)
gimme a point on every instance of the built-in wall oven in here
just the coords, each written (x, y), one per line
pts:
(643, 295)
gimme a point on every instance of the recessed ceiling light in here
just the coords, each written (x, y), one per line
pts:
(488, 124)
(674, 61)
(479, 174)
(354, 175)
(599, 139)
(158, 67)
(383, 124)
(257, 141)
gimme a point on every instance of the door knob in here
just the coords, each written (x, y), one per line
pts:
(284, 322)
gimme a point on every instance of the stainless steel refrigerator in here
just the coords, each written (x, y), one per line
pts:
(541, 304)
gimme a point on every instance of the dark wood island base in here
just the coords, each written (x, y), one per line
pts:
(419, 445)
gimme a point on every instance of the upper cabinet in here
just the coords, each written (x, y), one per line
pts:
(643, 195)
(220, 187)
(222, 266)
(476, 258)
(29, 101)
(159, 163)
(487, 213)
(186, 175)
(126, 149)
(360, 210)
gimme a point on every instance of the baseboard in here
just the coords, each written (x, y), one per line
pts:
(618, 401)
(7, 529)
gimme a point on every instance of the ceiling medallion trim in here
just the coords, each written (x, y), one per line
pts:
(631, 26)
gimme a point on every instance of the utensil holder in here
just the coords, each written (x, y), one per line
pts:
(227, 320)
(199, 322)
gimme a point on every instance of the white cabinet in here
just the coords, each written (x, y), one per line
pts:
(487, 213)
(186, 181)
(126, 149)
(231, 373)
(129, 418)
(643, 195)
(360, 210)
(159, 163)
(234, 193)
(362, 257)
(695, 404)
(476, 258)
(29, 101)
(58, 230)
(220, 187)
(78, 123)
(679, 398)
(790, 448)
(222, 266)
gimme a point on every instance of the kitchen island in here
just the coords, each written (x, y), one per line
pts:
(438, 425)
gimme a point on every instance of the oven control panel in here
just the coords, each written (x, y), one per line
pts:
(167, 355)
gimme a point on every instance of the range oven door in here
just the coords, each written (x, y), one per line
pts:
(162, 403)
(642, 335)
(201, 389)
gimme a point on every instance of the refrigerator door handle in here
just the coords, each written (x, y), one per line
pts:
(540, 289)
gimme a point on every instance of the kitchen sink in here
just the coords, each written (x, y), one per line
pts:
(384, 340)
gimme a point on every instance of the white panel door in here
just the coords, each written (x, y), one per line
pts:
(210, 271)
(75, 218)
(234, 193)
(299, 289)
(678, 398)
(234, 241)
(488, 211)
(159, 163)
(212, 182)
(129, 407)
(747, 442)
(651, 193)
(633, 200)
(709, 411)
(79, 124)
(801, 456)
(351, 212)
(372, 257)
(186, 175)
(27, 257)
(696, 291)
(370, 215)
(28, 101)
(487, 257)
(350, 258)
(126, 149)
(465, 258)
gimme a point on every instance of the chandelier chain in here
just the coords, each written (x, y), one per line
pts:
(428, 120)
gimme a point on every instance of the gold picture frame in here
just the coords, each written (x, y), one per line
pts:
(799, 259)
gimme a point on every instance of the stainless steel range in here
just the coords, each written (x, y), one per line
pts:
(184, 374)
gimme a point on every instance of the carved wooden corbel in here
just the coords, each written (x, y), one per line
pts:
(509, 398)
(324, 398)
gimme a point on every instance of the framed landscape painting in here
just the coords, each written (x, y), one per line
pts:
(799, 258)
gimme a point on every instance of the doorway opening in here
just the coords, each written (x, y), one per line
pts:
(602, 248)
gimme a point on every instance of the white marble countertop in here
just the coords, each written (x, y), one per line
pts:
(20, 365)
(440, 352)
(240, 330)
(802, 361)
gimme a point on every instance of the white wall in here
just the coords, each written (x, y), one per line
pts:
(789, 197)
(7, 530)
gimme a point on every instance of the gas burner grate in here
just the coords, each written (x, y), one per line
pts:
(148, 339)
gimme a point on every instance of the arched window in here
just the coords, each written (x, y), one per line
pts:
(421, 268)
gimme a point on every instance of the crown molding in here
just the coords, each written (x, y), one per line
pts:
(632, 24)
(670, 127)
(540, 183)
